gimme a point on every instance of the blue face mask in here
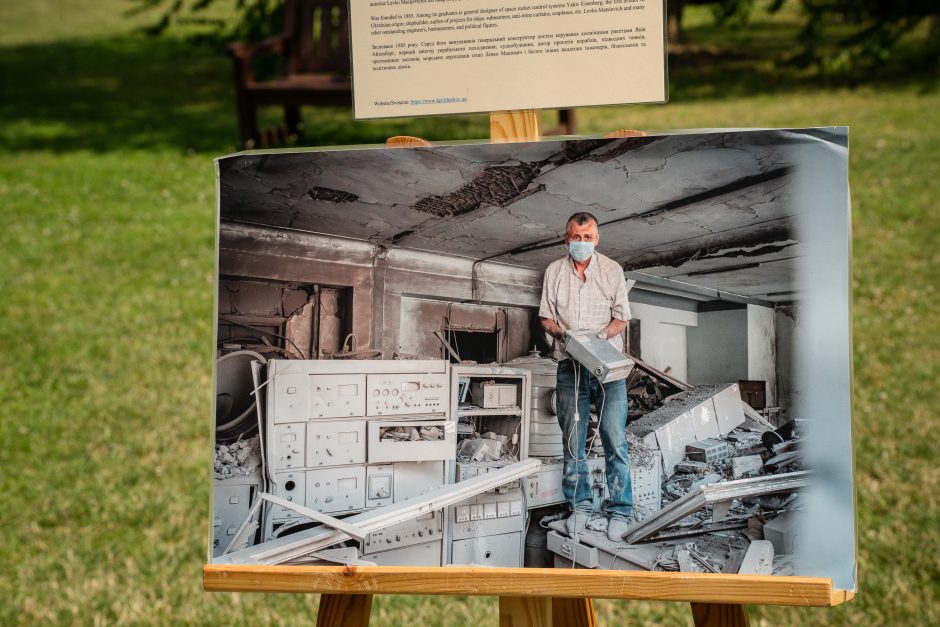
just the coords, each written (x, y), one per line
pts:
(580, 251)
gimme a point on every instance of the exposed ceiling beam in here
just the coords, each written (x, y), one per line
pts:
(691, 290)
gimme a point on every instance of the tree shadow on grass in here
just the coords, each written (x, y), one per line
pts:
(760, 59)
(117, 93)
(134, 92)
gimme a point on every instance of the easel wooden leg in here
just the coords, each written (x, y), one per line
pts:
(344, 610)
(515, 126)
(525, 612)
(574, 612)
(546, 612)
(719, 615)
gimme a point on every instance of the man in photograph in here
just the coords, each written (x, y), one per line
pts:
(586, 290)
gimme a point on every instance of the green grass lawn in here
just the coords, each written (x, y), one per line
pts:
(106, 270)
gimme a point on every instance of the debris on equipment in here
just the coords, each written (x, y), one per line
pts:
(411, 434)
(238, 459)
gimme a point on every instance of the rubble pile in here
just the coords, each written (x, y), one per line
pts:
(490, 447)
(238, 459)
(730, 487)
(741, 454)
(647, 388)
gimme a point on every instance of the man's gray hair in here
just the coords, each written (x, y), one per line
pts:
(581, 218)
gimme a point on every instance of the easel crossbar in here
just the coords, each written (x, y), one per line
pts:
(545, 582)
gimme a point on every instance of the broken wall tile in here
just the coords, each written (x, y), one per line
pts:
(746, 466)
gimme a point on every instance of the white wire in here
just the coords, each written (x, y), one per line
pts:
(578, 459)
(613, 562)
(600, 414)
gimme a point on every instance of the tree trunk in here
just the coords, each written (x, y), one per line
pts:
(674, 21)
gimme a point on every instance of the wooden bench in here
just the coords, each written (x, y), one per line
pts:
(314, 51)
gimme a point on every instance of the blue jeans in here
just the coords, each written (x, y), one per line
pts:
(576, 480)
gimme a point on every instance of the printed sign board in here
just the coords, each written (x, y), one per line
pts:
(428, 57)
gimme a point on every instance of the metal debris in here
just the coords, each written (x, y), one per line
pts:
(690, 467)
(239, 459)
(783, 460)
(715, 493)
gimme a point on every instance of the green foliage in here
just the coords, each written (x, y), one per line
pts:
(733, 13)
(875, 28)
(243, 20)
(844, 36)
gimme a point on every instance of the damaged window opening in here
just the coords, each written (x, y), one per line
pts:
(274, 318)
(478, 346)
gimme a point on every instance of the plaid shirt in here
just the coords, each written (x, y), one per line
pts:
(590, 304)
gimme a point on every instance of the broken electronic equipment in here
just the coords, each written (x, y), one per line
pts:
(599, 356)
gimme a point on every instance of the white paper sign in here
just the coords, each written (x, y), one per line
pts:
(426, 57)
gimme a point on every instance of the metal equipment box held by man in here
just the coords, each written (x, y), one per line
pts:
(599, 356)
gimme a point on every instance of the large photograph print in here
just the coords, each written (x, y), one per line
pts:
(606, 353)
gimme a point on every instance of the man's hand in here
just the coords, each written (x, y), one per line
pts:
(552, 328)
(614, 327)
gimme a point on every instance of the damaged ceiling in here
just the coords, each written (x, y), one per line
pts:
(713, 209)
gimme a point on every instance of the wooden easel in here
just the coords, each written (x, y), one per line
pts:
(528, 597)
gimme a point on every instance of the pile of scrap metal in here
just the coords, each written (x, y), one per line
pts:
(729, 494)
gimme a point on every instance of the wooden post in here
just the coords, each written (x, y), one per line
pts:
(344, 610)
(573, 612)
(525, 612)
(514, 126)
(719, 615)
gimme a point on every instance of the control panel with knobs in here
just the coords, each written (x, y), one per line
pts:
(407, 394)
